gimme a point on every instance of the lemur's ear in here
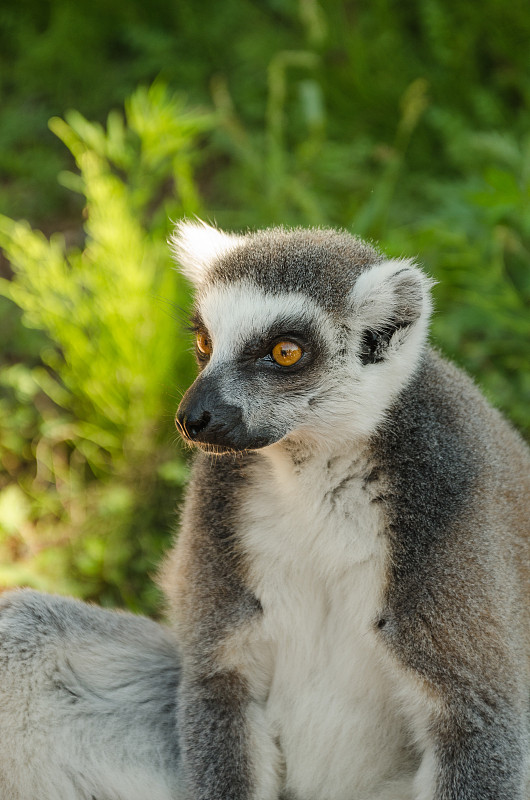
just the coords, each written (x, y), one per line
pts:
(390, 300)
(195, 245)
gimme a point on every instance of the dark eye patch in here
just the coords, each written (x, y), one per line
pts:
(262, 347)
(298, 331)
(255, 358)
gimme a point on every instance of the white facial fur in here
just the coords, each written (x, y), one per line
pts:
(350, 399)
(235, 314)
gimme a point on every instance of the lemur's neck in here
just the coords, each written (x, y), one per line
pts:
(304, 461)
(326, 496)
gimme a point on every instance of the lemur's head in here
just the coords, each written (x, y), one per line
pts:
(300, 334)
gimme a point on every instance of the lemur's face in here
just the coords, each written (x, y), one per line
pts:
(298, 335)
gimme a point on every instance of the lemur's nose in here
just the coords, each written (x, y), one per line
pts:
(205, 418)
(192, 427)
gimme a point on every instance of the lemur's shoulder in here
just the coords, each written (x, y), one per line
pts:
(443, 398)
(449, 452)
(204, 575)
(455, 475)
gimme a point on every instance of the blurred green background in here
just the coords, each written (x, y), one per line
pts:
(406, 123)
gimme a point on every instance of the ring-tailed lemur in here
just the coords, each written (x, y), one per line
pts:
(349, 588)
(350, 585)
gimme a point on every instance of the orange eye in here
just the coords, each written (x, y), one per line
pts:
(204, 345)
(286, 353)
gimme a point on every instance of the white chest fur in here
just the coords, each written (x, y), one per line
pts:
(318, 566)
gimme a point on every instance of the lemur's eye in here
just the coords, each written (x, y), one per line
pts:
(204, 344)
(286, 353)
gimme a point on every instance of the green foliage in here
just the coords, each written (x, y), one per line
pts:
(472, 233)
(357, 62)
(84, 439)
(476, 243)
(404, 123)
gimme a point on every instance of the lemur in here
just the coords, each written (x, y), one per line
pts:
(348, 593)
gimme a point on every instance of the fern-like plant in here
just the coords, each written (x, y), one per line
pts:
(87, 478)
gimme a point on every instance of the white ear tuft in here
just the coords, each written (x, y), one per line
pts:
(196, 245)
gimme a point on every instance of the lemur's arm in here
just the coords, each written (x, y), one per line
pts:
(213, 737)
(478, 757)
(453, 615)
(471, 702)
(468, 702)
(228, 751)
